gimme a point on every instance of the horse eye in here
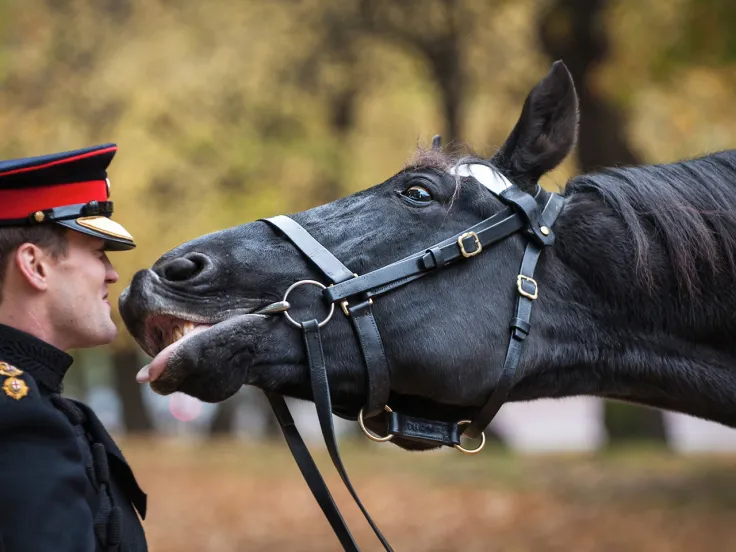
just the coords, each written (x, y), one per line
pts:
(418, 193)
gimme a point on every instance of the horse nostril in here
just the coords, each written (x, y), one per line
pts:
(182, 268)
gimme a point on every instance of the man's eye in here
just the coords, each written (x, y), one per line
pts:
(418, 194)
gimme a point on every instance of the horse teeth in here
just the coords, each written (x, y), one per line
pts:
(179, 330)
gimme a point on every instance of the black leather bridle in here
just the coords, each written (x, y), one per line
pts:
(532, 215)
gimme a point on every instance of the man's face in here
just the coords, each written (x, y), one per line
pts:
(77, 293)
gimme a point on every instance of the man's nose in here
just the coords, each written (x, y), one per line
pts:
(112, 276)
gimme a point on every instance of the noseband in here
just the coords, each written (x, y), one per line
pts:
(531, 215)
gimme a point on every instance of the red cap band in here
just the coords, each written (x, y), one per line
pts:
(20, 203)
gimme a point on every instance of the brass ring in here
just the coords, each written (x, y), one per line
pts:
(475, 450)
(301, 283)
(370, 435)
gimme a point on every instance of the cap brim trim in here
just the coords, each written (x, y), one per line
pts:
(105, 226)
(117, 238)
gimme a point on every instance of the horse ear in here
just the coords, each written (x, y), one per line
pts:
(546, 130)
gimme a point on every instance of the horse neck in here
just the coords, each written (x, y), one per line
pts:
(611, 328)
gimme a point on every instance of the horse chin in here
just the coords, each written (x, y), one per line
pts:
(413, 446)
(379, 427)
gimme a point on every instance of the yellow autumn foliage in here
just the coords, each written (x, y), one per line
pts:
(219, 121)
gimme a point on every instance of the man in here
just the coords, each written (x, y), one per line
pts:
(64, 484)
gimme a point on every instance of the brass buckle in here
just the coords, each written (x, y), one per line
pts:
(344, 303)
(478, 246)
(520, 280)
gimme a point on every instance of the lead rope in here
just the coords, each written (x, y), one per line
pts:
(321, 393)
(323, 404)
(310, 472)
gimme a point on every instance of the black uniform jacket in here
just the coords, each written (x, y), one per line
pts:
(64, 484)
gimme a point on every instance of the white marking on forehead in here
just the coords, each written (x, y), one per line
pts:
(490, 178)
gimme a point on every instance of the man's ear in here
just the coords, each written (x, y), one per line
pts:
(546, 130)
(33, 263)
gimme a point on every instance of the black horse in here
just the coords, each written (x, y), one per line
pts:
(635, 299)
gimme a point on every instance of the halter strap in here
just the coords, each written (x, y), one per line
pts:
(520, 324)
(361, 316)
(465, 245)
(311, 249)
(377, 380)
(523, 213)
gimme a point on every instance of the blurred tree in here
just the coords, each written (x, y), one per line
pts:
(435, 30)
(330, 69)
(125, 365)
(574, 31)
(709, 38)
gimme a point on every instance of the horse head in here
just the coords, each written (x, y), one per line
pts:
(445, 335)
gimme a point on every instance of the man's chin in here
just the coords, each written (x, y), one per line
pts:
(110, 335)
(95, 337)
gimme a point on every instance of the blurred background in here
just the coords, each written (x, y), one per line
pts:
(225, 112)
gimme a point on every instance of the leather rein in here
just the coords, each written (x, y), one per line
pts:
(532, 215)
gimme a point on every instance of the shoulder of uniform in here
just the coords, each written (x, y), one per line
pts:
(15, 384)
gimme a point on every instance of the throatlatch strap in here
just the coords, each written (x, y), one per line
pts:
(323, 403)
(310, 472)
(520, 325)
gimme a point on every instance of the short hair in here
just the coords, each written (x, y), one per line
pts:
(51, 237)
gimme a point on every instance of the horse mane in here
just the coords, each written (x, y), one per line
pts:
(689, 206)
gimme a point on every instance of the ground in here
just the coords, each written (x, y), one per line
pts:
(225, 496)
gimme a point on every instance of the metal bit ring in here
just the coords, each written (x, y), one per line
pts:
(301, 283)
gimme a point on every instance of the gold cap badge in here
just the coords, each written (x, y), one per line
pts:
(9, 370)
(15, 388)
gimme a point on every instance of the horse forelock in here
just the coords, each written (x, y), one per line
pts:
(460, 165)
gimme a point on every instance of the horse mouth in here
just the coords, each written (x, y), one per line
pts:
(164, 337)
(161, 331)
